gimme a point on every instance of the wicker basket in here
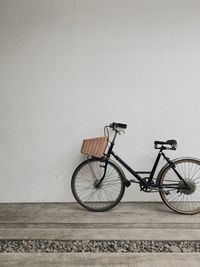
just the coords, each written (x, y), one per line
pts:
(94, 147)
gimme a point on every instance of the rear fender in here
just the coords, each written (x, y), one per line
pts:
(167, 165)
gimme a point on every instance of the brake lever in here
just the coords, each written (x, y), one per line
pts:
(121, 131)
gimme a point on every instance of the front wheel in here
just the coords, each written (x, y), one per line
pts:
(174, 193)
(87, 191)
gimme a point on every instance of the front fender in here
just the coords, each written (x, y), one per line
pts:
(126, 181)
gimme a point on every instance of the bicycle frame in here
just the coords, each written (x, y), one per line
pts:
(145, 183)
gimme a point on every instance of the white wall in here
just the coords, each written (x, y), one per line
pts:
(68, 67)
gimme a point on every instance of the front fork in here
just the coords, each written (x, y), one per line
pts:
(103, 164)
(104, 161)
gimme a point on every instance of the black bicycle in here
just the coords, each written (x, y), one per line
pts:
(98, 183)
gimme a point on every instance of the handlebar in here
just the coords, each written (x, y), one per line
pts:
(115, 126)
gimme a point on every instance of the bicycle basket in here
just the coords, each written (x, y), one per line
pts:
(94, 147)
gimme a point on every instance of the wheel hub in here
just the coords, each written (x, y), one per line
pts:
(97, 185)
(187, 191)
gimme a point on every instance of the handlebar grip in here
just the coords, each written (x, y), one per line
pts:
(118, 125)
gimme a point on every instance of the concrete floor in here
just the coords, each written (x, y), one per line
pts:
(68, 221)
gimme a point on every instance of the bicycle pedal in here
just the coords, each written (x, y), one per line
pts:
(133, 181)
(127, 183)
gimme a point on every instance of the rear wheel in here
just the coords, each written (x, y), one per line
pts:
(174, 193)
(89, 193)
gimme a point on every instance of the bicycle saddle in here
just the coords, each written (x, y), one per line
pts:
(172, 143)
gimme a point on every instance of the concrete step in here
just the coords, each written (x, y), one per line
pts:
(100, 259)
(100, 234)
(136, 212)
(69, 221)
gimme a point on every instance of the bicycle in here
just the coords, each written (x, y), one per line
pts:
(98, 183)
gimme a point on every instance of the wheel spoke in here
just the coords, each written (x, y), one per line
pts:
(183, 200)
(93, 196)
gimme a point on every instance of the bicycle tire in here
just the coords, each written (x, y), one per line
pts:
(114, 179)
(181, 200)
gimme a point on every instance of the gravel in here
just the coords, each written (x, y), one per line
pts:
(49, 246)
